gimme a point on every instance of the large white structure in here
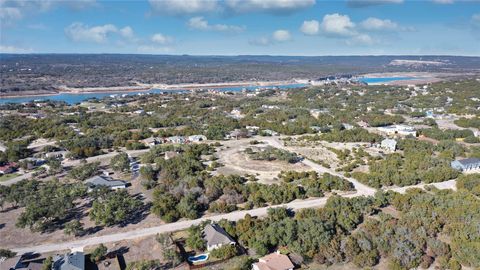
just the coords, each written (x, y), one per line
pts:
(398, 129)
(389, 144)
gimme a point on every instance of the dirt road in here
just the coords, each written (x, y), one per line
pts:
(362, 190)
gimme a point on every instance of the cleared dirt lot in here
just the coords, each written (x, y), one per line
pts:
(235, 161)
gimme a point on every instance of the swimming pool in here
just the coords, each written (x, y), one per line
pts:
(198, 258)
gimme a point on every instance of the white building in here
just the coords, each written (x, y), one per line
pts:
(389, 144)
(398, 129)
(197, 138)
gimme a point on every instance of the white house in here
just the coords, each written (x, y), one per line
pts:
(389, 144)
(197, 138)
(398, 129)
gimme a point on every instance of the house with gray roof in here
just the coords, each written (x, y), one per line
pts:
(105, 181)
(69, 261)
(216, 237)
(466, 165)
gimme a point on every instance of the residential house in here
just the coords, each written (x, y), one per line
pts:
(273, 261)
(269, 132)
(197, 138)
(21, 263)
(466, 165)
(347, 126)
(105, 181)
(56, 154)
(69, 261)
(151, 141)
(8, 168)
(176, 139)
(398, 129)
(389, 144)
(252, 129)
(238, 133)
(216, 237)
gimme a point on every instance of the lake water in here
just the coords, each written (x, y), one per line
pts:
(368, 80)
(77, 98)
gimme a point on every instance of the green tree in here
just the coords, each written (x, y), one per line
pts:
(195, 239)
(98, 253)
(47, 264)
(6, 253)
(224, 252)
(114, 207)
(120, 162)
(73, 227)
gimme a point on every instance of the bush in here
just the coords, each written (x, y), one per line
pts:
(224, 252)
(98, 253)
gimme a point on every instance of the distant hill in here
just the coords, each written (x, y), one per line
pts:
(49, 72)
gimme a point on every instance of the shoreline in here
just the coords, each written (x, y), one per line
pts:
(129, 89)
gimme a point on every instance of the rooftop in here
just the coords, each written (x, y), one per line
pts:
(101, 180)
(214, 235)
(274, 261)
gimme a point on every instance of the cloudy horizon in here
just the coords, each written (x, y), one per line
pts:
(242, 27)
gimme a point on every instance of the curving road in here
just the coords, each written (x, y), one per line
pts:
(362, 190)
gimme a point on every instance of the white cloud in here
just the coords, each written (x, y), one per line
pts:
(9, 15)
(80, 32)
(184, 7)
(272, 6)
(127, 32)
(310, 27)
(443, 2)
(375, 24)
(199, 23)
(337, 25)
(13, 49)
(161, 39)
(360, 39)
(13, 10)
(281, 35)
(367, 3)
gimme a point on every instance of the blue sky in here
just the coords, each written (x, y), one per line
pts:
(233, 27)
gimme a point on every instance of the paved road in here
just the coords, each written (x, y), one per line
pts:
(105, 156)
(17, 179)
(171, 227)
(362, 190)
